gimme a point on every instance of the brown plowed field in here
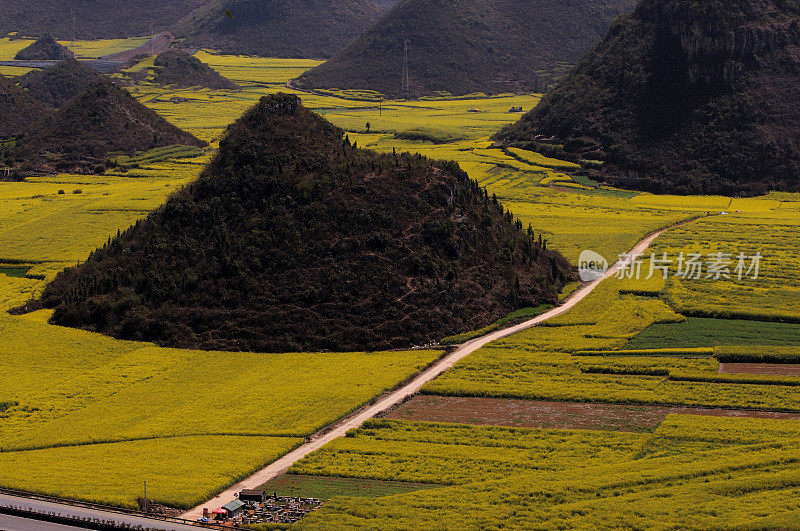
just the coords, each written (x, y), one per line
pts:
(769, 369)
(554, 415)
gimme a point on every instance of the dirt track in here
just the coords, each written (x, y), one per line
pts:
(397, 396)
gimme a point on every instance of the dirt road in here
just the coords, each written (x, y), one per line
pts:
(399, 395)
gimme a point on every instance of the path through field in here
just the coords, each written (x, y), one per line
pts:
(397, 396)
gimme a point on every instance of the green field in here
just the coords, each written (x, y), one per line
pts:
(539, 364)
(704, 332)
(15, 272)
(758, 354)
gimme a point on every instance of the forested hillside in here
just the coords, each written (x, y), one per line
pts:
(684, 97)
(60, 83)
(278, 28)
(469, 46)
(293, 239)
(101, 120)
(18, 109)
(98, 19)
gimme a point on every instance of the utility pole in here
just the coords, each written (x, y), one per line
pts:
(406, 75)
(74, 38)
(145, 496)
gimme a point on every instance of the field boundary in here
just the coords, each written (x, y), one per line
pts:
(621, 402)
(58, 446)
(412, 387)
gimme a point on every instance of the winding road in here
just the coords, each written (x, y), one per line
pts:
(400, 394)
(322, 438)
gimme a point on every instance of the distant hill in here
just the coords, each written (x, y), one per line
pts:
(82, 19)
(683, 97)
(469, 46)
(60, 83)
(44, 49)
(292, 239)
(18, 109)
(154, 46)
(180, 69)
(278, 28)
(100, 120)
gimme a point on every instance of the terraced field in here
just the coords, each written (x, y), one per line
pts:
(736, 473)
(770, 229)
(327, 487)
(708, 332)
(457, 454)
(542, 363)
(554, 415)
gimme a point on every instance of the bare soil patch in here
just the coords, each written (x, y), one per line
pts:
(158, 44)
(554, 415)
(769, 369)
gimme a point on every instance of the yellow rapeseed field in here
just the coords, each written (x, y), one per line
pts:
(90, 417)
(730, 473)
